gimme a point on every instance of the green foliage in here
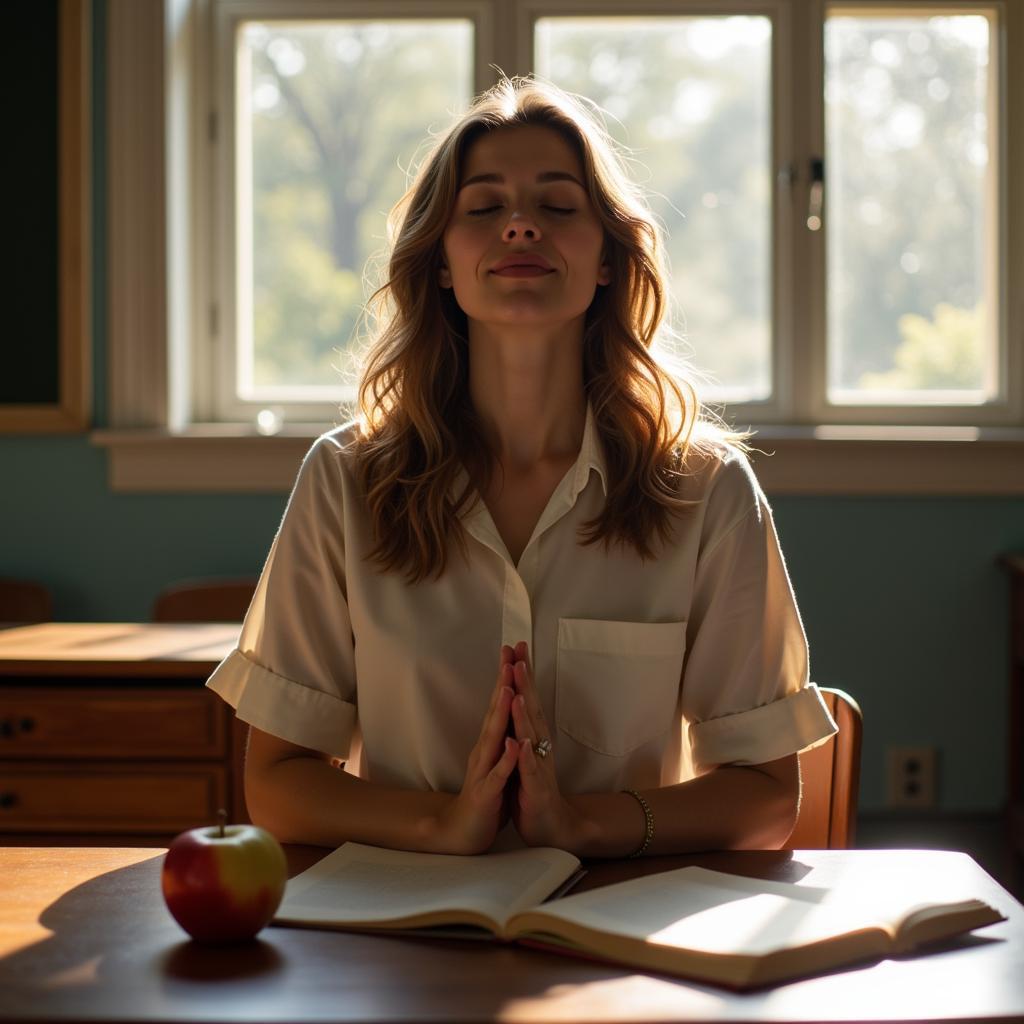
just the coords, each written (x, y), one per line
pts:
(904, 201)
(945, 352)
(339, 111)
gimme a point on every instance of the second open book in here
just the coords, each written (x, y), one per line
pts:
(725, 929)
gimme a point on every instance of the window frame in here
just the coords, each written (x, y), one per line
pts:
(156, 376)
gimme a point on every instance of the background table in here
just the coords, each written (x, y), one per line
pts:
(106, 730)
(84, 935)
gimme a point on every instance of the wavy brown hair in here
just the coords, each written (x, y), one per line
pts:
(417, 423)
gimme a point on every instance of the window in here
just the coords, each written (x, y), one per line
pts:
(912, 147)
(322, 119)
(832, 177)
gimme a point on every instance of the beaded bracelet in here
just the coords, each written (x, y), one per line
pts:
(648, 823)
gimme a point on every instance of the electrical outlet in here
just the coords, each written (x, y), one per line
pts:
(912, 776)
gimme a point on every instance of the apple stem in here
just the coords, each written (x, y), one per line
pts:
(223, 815)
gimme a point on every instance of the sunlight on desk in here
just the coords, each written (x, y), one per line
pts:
(636, 995)
(84, 973)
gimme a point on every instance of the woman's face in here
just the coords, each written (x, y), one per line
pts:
(522, 201)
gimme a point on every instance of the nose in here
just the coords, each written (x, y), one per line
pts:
(520, 226)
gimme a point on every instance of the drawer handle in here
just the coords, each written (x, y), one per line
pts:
(8, 800)
(8, 727)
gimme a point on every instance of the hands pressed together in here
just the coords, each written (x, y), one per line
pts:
(505, 778)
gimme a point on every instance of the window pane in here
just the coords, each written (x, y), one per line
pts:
(693, 96)
(330, 117)
(910, 210)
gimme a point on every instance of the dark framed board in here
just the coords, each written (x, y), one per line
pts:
(45, 378)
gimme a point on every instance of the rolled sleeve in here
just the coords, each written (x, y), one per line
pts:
(794, 723)
(746, 694)
(283, 706)
(293, 671)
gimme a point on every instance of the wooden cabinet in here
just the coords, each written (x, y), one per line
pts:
(133, 745)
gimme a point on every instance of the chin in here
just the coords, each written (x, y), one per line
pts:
(523, 313)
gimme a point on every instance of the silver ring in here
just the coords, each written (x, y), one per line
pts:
(543, 748)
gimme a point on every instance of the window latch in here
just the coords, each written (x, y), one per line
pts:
(816, 195)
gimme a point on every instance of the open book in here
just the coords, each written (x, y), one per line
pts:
(713, 927)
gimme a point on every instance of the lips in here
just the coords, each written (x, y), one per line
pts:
(522, 264)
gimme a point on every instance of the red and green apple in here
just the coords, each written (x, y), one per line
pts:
(223, 883)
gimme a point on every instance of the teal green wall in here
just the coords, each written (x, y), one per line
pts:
(902, 600)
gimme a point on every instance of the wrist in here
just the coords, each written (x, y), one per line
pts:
(431, 828)
(582, 830)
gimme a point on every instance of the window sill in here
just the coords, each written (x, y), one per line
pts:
(225, 458)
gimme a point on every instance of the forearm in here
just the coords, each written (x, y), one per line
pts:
(728, 808)
(307, 800)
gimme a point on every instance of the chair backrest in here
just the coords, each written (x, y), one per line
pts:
(25, 602)
(217, 600)
(831, 781)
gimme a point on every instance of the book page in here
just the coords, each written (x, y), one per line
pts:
(358, 884)
(711, 912)
(693, 908)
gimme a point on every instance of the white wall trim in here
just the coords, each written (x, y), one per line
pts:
(221, 458)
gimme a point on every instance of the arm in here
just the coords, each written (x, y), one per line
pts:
(298, 795)
(731, 807)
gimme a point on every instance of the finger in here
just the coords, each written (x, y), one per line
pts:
(488, 745)
(522, 651)
(529, 768)
(525, 729)
(494, 781)
(524, 686)
(498, 720)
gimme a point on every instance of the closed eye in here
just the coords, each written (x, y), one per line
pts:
(488, 209)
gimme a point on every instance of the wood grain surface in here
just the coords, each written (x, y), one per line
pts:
(84, 935)
(140, 649)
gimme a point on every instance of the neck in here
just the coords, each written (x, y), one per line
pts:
(527, 389)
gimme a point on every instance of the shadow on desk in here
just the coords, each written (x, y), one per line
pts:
(114, 952)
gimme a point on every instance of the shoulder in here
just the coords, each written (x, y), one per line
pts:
(718, 473)
(327, 464)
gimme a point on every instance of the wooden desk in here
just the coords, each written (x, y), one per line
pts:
(84, 935)
(106, 730)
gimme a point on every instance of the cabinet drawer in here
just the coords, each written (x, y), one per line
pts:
(109, 797)
(109, 723)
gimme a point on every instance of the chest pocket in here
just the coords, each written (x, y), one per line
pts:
(617, 683)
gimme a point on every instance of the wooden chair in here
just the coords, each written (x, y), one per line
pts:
(213, 600)
(831, 780)
(25, 602)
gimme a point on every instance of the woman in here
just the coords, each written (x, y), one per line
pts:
(528, 491)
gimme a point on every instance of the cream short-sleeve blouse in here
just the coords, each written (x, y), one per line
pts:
(648, 672)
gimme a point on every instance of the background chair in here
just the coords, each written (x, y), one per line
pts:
(25, 602)
(831, 781)
(212, 600)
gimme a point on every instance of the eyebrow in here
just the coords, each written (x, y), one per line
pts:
(543, 177)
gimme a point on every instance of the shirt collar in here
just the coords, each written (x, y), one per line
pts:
(591, 456)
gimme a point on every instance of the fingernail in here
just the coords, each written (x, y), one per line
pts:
(520, 700)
